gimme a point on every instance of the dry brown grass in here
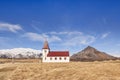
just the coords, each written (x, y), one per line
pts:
(19, 60)
(107, 70)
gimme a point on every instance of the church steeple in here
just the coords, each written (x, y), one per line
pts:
(45, 50)
(46, 46)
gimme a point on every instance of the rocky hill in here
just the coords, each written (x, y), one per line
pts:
(20, 53)
(91, 54)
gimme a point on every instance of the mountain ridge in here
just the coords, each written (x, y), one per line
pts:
(20, 53)
(91, 54)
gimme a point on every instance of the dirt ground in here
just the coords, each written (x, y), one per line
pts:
(35, 70)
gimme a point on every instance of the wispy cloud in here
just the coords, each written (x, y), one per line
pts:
(10, 27)
(41, 37)
(37, 25)
(78, 38)
(65, 38)
(66, 33)
(105, 35)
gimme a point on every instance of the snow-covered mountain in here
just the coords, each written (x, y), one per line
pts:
(20, 53)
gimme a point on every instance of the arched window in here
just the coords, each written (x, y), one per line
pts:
(45, 51)
(50, 58)
(64, 58)
(60, 58)
(55, 58)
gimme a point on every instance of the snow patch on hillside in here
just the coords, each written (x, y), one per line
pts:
(20, 53)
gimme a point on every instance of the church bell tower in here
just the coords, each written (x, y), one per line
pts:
(45, 50)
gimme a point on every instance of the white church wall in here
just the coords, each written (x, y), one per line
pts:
(56, 59)
(44, 54)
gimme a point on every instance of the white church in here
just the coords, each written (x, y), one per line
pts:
(54, 56)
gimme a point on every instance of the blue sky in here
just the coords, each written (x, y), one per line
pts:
(67, 24)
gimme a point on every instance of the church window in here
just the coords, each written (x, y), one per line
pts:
(60, 58)
(45, 51)
(55, 58)
(64, 58)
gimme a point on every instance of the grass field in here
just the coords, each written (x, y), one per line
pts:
(35, 70)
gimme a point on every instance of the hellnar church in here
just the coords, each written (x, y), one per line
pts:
(53, 56)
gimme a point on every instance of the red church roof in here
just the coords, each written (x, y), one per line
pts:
(58, 53)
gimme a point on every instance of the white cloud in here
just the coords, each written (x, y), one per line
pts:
(65, 38)
(78, 38)
(10, 27)
(65, 33)
(105, 35)
(34, 36)
(41, 37)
